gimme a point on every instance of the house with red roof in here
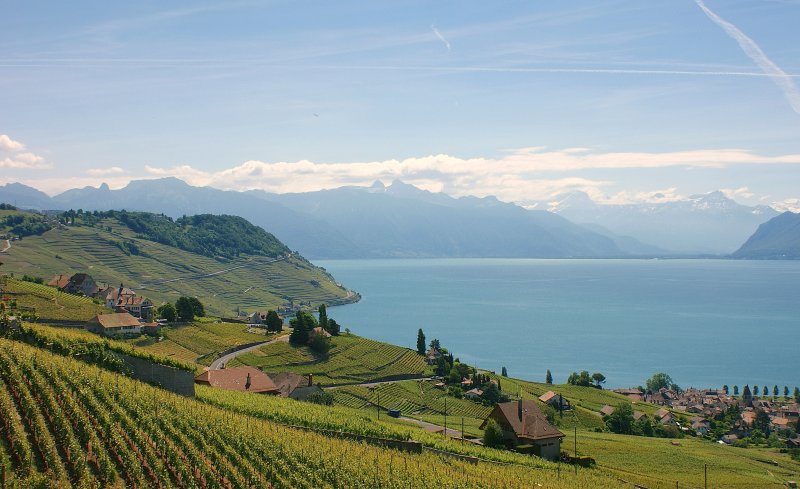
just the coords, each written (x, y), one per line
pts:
(242, 379)
(523, 423)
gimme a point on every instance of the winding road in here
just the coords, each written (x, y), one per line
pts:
(223, 360)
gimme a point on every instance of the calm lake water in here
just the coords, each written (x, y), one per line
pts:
(705, 322)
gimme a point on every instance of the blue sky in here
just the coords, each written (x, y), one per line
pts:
(626, 100)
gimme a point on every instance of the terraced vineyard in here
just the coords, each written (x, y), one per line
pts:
(249, 283)
(67, 424)
(49, 302)
(415, 398)
(199, 342)
(351, 360)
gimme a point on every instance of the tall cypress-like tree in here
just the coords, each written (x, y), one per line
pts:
(548, 378)
(420, 342)
(504, 372)
(323, 317)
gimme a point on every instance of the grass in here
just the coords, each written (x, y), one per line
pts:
(352, 359)
(657, 463)
(49, 302)
(257, 285)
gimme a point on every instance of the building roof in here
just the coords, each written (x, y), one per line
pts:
(115, 320)
(527, 420)
(475, 391)
(236, 379)
(319, 330)
(547, 396)
(59, 281)
(607, 410)
(288, 382)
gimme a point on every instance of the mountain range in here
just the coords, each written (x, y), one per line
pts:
(400, 220)
(702, 224)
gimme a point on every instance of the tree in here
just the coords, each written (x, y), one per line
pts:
(598, 378)
(504, 372)
(442, 369)
(274, 322)
(775, 391)
(420, 342)
(435, 345)
(746, 395)
(725, 389)
(184, 309)
(323, 317)
(796, 394)
(197, 307)
(491, 394)
(762, 421)
(786, 392)
(333, 327)
(765, 391)
(492, 434)
(658, 381)
(548, 378)
(320, 343)
(736, 390)
(301, 324)
(755, 390)
(621, 420)
(167, 311)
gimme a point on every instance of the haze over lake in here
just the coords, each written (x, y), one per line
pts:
(705, 322)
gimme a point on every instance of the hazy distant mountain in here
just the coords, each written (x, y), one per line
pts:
(24, 197)
(174, 197)
(403, 221)
(709, 223)
(778, 238)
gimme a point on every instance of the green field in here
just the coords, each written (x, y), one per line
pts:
(351, 360)
(248, 283)
(68, 424)
(199, 342)
(49, 302)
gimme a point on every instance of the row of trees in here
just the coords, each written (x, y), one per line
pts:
(184, 309)
(583, 379)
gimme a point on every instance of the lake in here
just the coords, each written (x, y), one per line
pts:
(705, 322)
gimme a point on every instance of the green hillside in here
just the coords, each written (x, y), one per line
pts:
(66, 424)
(113, 253)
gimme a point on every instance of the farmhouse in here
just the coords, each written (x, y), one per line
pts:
(59, 281)
(114, 324)
(473, 394)
(522, 423)
(242, 379)
(111, 295)
(81, 284)
(555, 400)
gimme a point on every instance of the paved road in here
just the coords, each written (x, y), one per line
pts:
(223, 360)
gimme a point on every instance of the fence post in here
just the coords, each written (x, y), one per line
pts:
(705, 476)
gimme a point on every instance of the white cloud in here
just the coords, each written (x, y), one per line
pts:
(97, 172)
(792, 205)
(441, 37)
(754, 52)
(13, 157)
(8, 144)
(519, 176)
(741, 192)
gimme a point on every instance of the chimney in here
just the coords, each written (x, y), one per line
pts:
(519, 408)
(310, 380)
(247, 383)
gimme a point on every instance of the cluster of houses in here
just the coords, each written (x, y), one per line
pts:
(133, 314)
(706, 404)
(120, 299)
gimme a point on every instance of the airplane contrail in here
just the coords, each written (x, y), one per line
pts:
(441, 37)
(751, 49)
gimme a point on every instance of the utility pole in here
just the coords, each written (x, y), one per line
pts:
(445, 417)
(575, 445)
(705, 476)
(462, 430)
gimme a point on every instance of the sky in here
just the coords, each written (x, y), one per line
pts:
(628, 101)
